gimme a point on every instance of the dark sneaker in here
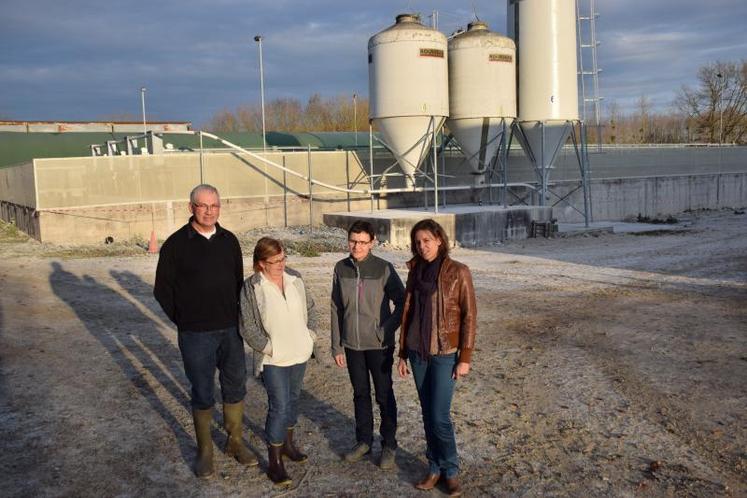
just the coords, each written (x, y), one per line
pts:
(387, 458)
(359, 451)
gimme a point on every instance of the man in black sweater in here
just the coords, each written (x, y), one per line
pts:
(200, 272)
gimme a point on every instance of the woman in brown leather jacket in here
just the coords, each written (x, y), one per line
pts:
(437, 337)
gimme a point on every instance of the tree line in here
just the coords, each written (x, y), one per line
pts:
(712, 111)
(340, 113)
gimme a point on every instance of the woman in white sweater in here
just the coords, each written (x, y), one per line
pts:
(275, 316)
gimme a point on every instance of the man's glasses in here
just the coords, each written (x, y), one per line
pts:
(204, 207)
(359, 242)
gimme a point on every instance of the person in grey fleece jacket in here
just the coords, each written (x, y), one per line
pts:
(364, 288)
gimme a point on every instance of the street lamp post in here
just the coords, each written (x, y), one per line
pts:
(720, 108)
(355, 117)
(258, 39)
(142, 102)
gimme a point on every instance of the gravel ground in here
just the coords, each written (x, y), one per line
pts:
(613, 365)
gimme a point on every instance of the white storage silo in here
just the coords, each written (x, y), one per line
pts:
(545, 35)
(482, 93)
(408, 88)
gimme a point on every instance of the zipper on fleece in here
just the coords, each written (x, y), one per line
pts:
(357, 299)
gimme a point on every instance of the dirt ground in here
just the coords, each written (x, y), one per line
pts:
(606, 366)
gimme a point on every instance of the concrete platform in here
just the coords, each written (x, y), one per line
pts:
(468, 225)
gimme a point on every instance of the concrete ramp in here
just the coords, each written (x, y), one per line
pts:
(469, 226)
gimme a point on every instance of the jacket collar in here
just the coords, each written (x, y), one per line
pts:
(412, 262)
(361, 262)
(256, 278)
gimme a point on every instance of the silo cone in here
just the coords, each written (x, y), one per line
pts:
(480, 139)
(408, 89)
(542, 140)
(410, 139)
(482, 94)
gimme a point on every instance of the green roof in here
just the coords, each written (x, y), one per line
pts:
(19, 147)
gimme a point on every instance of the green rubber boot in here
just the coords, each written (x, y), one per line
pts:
(204, 462)
(233, 419)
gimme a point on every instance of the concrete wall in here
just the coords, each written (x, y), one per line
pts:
(122, 197)
(623, 198)
(17, 185)
(470, 226)
(107, 180)
(483, 227)
(636, 161)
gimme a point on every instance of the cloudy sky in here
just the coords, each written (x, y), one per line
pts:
(86, 59)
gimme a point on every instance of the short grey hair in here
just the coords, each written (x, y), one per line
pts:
(203, 187)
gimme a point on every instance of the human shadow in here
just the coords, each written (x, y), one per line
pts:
(134, 341)
(338, 431)
(127, 335)
(142, 291)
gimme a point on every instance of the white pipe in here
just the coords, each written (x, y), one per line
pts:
(455, 187)
(352, 191)
(278, 166)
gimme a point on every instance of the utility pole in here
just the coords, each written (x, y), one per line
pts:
(142, 102)
(720, 108)
(258, 39)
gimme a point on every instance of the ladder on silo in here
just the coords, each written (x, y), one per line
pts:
(586, 16)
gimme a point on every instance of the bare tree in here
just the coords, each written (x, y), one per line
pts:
(643, 116)
(613, 116)
(717, 107)
(285, 114)
(223, 120)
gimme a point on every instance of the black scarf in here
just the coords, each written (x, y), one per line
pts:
(425, 284)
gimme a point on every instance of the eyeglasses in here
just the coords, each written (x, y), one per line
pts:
(277, 261)
(204, 207)
(359, 242)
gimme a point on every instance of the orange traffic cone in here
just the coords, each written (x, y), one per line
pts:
(153, 244)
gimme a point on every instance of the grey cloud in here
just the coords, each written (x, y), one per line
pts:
(81, 59)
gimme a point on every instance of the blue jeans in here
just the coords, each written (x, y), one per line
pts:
(202, 353)
(435, 385)
(283, 386)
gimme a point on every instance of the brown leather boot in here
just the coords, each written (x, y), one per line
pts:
(233, 420)
(453, 487)
(275, 468)
(290, 450)
(429, 482)
(204, 463)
